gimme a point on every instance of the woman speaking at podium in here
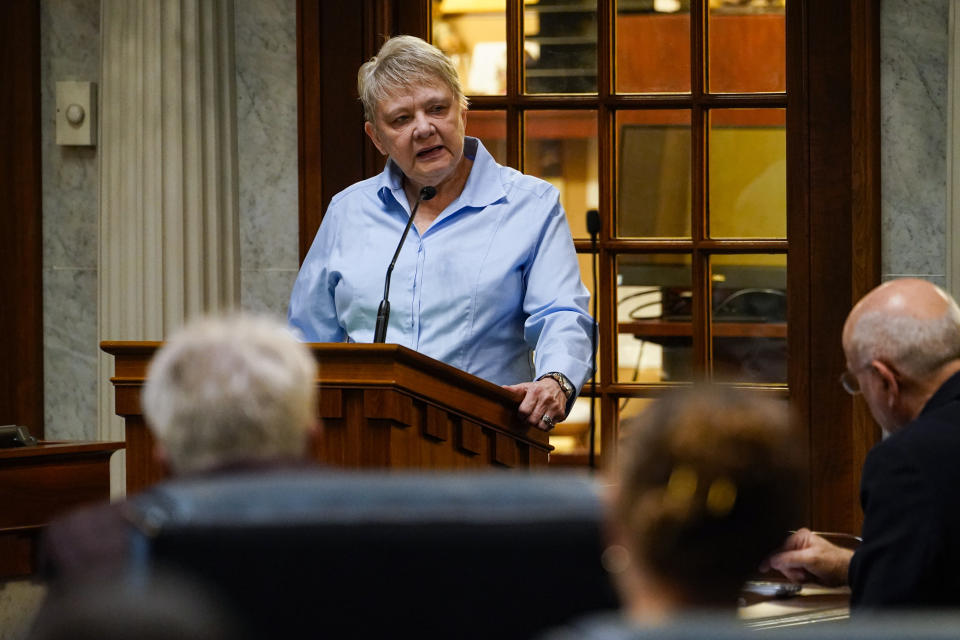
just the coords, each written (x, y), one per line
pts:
(487, 279)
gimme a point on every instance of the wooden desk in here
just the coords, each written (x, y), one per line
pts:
(814, 604)
(39, 483)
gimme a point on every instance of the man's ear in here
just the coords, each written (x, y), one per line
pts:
(374, 138)
(890, 379)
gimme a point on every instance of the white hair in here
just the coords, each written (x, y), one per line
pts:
(229, 389)
(915, 346)
(404, 62)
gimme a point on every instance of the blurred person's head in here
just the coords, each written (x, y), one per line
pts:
(901, 341)
(229, 390)
(706, 486)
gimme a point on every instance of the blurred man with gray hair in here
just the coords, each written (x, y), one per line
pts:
(223, 394)
(902, 344)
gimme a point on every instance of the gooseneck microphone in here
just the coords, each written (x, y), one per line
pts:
(593, 228)
(383, 313)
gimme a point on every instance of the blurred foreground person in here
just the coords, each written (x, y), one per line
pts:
(902, 344)
(223, 395)
(706, 485)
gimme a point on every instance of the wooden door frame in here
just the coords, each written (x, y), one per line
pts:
(833, 195)
(21, 243)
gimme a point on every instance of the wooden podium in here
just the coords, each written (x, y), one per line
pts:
(380, 405)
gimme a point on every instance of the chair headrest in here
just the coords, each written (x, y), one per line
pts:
(322, 497)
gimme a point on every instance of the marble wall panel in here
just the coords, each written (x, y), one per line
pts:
(267, 291)
(914, 106)
(70, 32)
(266, 49)
(70, 353)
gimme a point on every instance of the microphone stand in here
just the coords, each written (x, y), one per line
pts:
(593, 228)
(383, 312)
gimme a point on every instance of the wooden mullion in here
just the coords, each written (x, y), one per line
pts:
(540, 101)
(698, 50)
(606, 41)
(702, 305)
(759, 245)
(635, 245)
(606, 259)
(309, 108)
(514, 40)
(745, 100)
(799, 364)
(701, 317)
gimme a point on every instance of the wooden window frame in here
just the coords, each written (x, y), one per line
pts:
(832, 193)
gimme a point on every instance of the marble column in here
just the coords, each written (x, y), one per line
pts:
(913, 110)
(168, 172)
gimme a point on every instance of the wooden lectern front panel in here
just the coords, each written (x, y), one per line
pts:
(379, 406)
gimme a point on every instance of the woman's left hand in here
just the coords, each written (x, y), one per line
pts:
(542, 403)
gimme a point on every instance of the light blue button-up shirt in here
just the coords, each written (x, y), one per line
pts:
(493, 278)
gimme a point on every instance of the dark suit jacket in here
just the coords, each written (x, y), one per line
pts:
(910, 493)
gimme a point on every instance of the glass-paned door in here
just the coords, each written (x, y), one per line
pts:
(670, 118)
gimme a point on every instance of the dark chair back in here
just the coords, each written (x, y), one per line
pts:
(349, 554)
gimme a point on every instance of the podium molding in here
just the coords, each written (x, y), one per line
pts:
(379, 406)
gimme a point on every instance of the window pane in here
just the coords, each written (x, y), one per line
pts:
(749, 325)
(560, 46)
(653, 174)
(561, 148)
(653, 47)
(491, 128)
(747, 46)
(748, 173)
(572, 436)
(473, 34)
(654, 311)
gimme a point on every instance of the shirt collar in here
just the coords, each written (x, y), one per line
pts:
(483, 187)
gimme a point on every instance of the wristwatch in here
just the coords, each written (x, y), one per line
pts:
(565, 385)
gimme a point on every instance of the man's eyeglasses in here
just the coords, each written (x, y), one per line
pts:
(849, 380)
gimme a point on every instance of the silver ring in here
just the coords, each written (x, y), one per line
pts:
(547, 420)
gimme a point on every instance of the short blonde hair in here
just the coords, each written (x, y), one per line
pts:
(230, 389)
(707, 485)
(401, 63)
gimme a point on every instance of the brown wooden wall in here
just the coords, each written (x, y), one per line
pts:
(21, 248)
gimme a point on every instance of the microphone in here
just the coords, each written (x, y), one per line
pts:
(383, 313)
(593, 223)
(593, 228)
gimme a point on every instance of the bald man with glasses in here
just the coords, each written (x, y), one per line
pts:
(902, 344)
